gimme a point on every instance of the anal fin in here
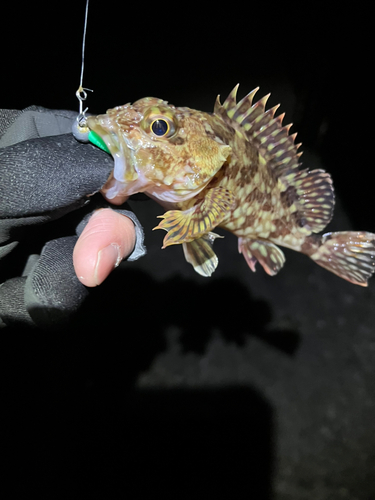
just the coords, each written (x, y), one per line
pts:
(187, 225)
(267, 254)
(200, 255)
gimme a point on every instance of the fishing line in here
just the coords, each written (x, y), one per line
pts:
(80, 129)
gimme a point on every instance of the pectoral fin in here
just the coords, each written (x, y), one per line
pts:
(191, 224)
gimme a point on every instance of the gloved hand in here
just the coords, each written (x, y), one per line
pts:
(46, 188)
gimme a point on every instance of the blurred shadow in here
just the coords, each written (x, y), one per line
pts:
(198, 309)
(122, 326)
(124, 321)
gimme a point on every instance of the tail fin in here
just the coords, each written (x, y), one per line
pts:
(349, 254)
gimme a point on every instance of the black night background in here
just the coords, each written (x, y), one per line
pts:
(170, 384)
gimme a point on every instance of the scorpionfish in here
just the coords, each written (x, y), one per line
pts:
(236, 168)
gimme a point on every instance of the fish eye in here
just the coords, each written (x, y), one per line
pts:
(160, 127)
(159, 122)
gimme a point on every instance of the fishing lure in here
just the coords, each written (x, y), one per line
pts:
(237, 168)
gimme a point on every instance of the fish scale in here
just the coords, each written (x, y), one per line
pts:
(237, 168)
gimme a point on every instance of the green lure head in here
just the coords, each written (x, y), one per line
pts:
(95, 139)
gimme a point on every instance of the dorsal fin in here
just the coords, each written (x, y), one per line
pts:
(263, 128)
(310, 192)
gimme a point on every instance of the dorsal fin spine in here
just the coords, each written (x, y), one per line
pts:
(261, 125)
(218, 105)
(248, 99)
(243, 106)
(230, 101)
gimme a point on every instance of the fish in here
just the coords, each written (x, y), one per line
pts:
(237, 168)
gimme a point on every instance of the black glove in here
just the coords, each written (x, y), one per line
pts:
(43, 179)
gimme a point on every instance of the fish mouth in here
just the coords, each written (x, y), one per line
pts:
(124, 173)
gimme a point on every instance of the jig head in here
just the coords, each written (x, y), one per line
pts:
(80, 129)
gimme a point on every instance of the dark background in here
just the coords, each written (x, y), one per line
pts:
(237, 386)
(316, 62)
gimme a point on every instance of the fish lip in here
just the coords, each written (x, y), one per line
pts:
(118, 144)
(99, 124)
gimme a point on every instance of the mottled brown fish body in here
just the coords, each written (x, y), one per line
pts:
(238, 169)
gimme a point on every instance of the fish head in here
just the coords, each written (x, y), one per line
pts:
(167, 152)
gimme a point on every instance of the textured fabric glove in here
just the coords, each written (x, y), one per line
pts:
(46, 174)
